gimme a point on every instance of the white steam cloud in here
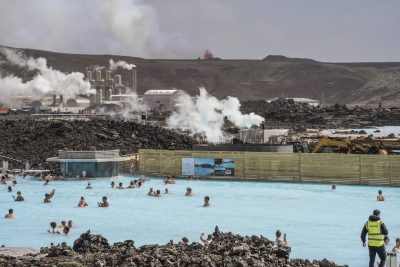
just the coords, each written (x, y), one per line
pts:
(122, 64)
(204, 115)
(125, 27)
(46, 81)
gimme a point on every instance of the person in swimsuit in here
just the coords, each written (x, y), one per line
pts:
(82, 203)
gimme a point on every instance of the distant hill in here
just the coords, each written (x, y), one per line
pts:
(274, 76)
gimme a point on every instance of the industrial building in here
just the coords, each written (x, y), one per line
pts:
(301, 100)
(89, 163)
(161, 100)
(263, 136)
(108, 88)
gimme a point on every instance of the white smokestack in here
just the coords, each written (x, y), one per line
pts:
(134, 80)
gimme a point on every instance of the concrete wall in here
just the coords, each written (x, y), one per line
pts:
(289, 167)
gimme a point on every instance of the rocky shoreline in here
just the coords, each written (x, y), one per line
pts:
(226, 249)
(283, 113)
(35, 140)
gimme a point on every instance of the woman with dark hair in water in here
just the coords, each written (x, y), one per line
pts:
(82, 203)
(104, 203)
(380, 196)
(19, 197)
(53, 228)
(206, 201)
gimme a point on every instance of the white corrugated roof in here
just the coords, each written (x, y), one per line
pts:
(161, 92)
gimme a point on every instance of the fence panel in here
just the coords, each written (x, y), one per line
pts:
(289, 167)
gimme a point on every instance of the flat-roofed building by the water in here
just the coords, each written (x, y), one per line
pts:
(103, 163)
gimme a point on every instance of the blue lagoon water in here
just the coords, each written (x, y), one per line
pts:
(319, 223)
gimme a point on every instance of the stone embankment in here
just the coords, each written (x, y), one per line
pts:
(226, 249)
(289, 114)
(36, 140)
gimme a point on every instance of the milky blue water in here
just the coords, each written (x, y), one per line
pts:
(319, 223)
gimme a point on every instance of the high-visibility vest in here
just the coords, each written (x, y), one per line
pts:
(375, 237)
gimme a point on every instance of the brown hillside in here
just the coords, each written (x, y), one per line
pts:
(274, 76)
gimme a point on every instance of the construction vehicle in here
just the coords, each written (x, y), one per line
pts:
(330, 145)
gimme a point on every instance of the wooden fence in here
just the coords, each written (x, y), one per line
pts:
(288, 167)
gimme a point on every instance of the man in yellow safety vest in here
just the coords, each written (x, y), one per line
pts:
(376, 231)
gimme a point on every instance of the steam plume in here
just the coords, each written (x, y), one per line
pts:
(46, 81)
(205, 115)
(114, 65)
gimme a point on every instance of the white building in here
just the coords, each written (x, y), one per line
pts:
(161, 100)
(303, 100)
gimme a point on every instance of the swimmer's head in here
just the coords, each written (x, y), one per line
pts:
(53, 224)
(380, 192)
(206, 198)
(82, 198)
(120, 184)
(10, 211)
(46, 195)
(151, 189)
(158, 192)
(397, 241)
(278, 234)
(14, 182)
(9, 188)
(63, 223)
(66, 230)
(19, 193)
(69, 223)
(104, 198)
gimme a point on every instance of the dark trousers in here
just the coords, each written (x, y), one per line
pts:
(372, 254)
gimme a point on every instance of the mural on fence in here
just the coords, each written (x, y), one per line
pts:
(208, 167)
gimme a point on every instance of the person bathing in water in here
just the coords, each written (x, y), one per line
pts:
(10, 214)
(151, 192)
(206, 241)
(47, 197)
(53, 228)
(189, 192)
(120, 186)
(82, 203)
(396, 248)
(66, 230)
(104, 203)
(143, 179)
(278, 240)
(380, 196)
(19, 197)
(89, 186)
(206, 201)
